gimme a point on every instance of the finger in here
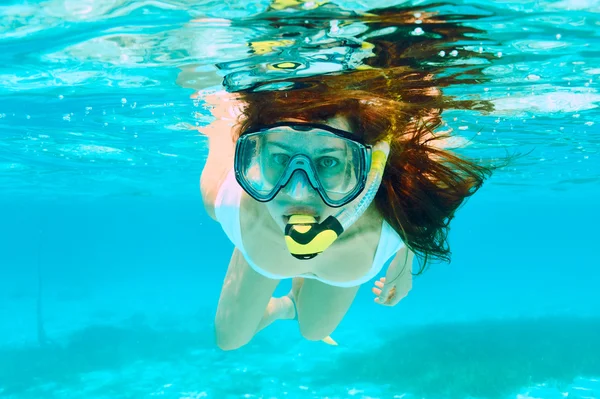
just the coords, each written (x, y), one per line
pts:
(376, 291)
(379, 284)
(382, 279)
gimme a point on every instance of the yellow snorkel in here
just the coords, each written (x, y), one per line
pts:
(305, 238)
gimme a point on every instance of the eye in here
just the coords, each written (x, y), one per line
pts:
(328, 162)
(280, 159)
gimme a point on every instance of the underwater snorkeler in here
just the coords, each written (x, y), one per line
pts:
(328, 187)
(334, 182)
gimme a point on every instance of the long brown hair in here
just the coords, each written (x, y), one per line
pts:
(424, 183)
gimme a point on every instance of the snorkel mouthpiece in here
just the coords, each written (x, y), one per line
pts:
(305, 238)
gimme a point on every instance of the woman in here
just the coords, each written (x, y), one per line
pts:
(290, 176)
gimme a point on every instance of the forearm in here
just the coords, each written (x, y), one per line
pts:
(403, 271)
(398, 279)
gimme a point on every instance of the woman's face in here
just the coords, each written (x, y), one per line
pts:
(298, 196)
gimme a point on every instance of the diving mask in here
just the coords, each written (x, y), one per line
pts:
(334, 162)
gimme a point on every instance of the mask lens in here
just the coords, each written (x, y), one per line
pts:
(264, 161)
(251, 166)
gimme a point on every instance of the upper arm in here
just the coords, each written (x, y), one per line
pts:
(213, 175)
(221, 148)
(227, 110)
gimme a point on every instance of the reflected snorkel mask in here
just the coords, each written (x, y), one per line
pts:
(336, 166)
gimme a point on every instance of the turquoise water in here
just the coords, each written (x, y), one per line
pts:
(110, 270)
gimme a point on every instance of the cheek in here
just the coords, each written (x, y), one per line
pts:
(329, 212)
(273, 207)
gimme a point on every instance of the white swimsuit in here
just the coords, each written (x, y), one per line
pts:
(227, 212)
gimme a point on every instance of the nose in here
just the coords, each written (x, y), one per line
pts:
(298, 188)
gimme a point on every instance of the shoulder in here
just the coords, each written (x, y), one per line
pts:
(367, 225)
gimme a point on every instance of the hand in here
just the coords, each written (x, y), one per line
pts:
(385, 295)
(390, 293)
(396, 284)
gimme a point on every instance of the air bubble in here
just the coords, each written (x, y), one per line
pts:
(417, 32)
